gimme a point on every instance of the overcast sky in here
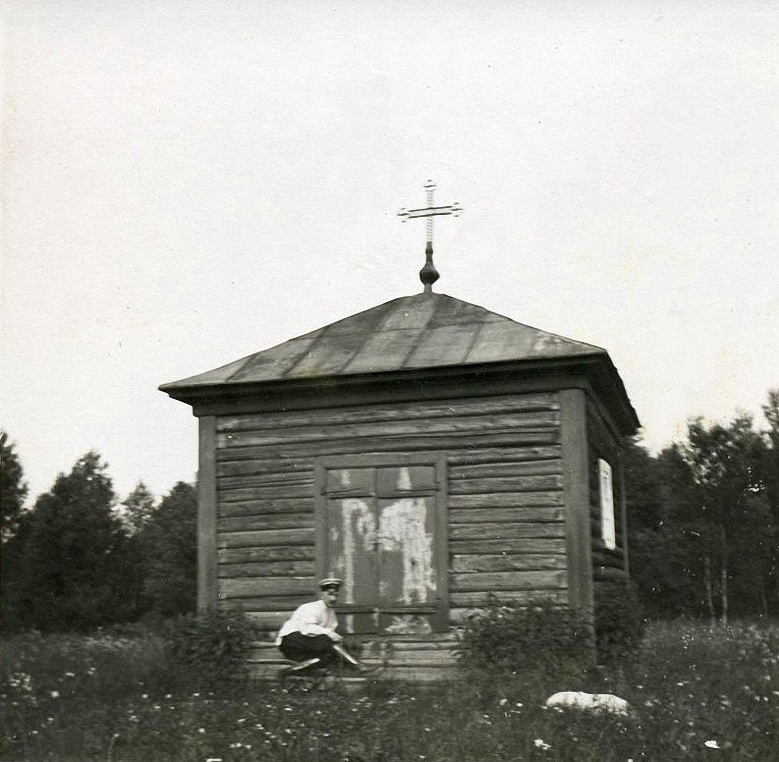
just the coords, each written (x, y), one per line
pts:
(186, 183)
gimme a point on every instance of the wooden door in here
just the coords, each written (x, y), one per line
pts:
(382, 532)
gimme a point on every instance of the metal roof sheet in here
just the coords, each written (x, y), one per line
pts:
(419, 331)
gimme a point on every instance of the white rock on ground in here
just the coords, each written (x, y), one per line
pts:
(604, 702)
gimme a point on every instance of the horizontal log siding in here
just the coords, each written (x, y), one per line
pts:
(506, 508)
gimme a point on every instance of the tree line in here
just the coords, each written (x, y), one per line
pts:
(703, 519)
(79, 559)
(703, 535)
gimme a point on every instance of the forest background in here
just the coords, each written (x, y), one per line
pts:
(703, 532)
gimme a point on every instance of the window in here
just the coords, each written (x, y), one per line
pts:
(606, 485)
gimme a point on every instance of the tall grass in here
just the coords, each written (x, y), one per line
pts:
(695, 693)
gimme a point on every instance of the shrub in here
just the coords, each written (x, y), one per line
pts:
(539, 639)
(206, 650)
(619, 621)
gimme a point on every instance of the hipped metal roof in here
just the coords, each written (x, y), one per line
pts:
(411, 333)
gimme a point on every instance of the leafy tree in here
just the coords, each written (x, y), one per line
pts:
(70, 570)
(660, 565)
(728, 526)
(169, 550)
(770, 475)
(13, 489)
(138, 508)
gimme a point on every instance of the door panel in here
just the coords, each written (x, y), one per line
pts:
(401, 479)
(351, 548)
(407, 564)
(350, 481)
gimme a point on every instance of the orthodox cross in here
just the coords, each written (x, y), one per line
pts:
(428, 274)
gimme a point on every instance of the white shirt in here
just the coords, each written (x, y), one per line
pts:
(315, 618)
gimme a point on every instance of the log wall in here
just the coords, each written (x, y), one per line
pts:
(608, 564)
(506, 517)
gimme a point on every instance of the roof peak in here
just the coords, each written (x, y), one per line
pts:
(424, 330)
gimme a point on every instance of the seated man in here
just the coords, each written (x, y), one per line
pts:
(309, 636)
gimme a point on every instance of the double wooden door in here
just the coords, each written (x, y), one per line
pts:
(382, 530)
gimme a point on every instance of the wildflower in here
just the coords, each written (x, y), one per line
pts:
(201, 730)
(540, 744)
(712, 744)
(214, 759)
(70, 674)
(503, 701)
(54, 694)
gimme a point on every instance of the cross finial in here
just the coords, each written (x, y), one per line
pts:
(428, 274)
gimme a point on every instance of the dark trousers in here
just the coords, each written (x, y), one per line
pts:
(299, 647)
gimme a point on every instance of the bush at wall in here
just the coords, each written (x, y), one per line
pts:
(539, 638)
(619, 621)
(209, 649)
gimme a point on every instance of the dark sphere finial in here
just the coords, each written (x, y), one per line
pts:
(428, 274)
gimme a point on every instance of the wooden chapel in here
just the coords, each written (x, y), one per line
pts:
(427, 451)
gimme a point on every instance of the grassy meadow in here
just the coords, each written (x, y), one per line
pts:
(695, 692)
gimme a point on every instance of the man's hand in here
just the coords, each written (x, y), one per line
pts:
(334, 636)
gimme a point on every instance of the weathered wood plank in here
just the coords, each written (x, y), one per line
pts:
(483, 423)
(502, 469)
(295, 481)
(459, 444)
(438, 657)
(508, 546)
(235, 461)
(284, 604)
(505, 562)
(473, 600)
(267, 521)
(270, 621)
(486, 453)
(226, 466)
(507, 531)
(518, 513)
(505, 484)
(420, 673)
(394, 411)
(252, 507)
(421, 645)
(424, 443)
(459, 615)
(269, 569)
(269, 537)
(265, 493)
(514, 580)
(266, 554)
(506, 500)
(277, 586)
